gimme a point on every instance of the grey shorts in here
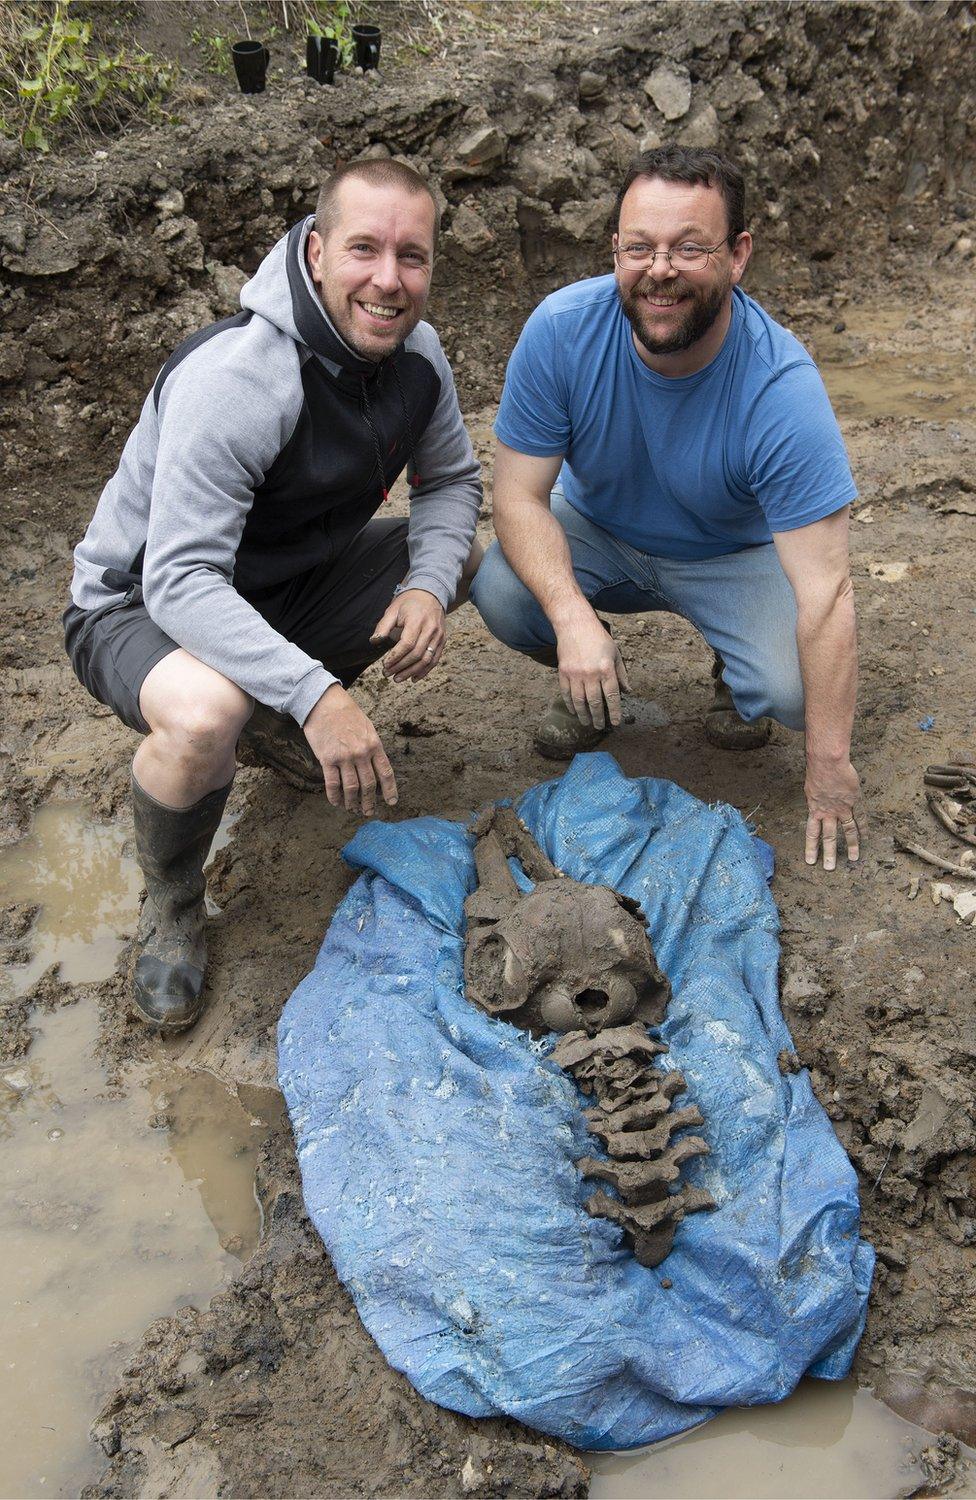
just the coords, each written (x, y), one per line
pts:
(330, 612)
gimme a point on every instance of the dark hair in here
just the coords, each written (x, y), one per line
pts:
(696, 167)
(381, 171)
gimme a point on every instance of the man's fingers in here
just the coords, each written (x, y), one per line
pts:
(829, 837)
(333, 785)
(852, 834)
(611, 692)
(579, 705)
(367, 787)
(396, 657)
(385, 776)
(622, 677)
(812, 840)
(385, 625)
(431, 657)
(594, 702)
(423, 653)
(350, 785)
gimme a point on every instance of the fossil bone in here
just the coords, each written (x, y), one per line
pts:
(576, 958)
(564, 957)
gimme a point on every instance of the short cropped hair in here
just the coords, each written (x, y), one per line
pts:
(698, 168)
(381, 172)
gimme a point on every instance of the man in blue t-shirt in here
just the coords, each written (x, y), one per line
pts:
(664, 444)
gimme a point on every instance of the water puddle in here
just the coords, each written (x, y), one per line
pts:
(825, 1442)
(87, 887)
(114, 1210)
(88, 891)
(934, 385)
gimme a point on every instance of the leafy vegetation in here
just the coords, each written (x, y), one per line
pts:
(54, 76)
(331, 18)
(215, 48)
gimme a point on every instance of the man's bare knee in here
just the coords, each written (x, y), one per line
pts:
(194, 711)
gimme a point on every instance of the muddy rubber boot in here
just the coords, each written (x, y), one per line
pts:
(172, 845)
(272, 739)
(724, 725)
(560, 735)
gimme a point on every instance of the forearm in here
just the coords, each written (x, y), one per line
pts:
(827, 642)
(536, 550)
(441, 532)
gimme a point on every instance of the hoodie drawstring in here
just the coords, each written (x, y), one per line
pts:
(415, 480)
(368, 412)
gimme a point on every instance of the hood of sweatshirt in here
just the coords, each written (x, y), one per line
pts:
(282, 291)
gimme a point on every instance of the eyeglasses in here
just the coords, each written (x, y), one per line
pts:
(687, 257)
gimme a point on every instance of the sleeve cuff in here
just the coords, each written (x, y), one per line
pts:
(307, 694)
(430, 585)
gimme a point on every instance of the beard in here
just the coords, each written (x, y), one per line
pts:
(700, 312)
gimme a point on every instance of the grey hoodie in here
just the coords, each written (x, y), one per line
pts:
(264, 446)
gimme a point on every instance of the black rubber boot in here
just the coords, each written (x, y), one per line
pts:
(724, 725)
(272, 739)
(172, 845)
(560, 734)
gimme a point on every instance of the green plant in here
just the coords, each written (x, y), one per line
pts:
(331, 18)
(215, 49)
(52, 74)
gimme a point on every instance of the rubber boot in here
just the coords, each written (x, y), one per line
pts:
(560, 735)
(724, 725)
(172, 845)
(272, 739)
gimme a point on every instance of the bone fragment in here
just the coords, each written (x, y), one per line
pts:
(646, 1111)
(908, 847)
(650, 1249)
(615, 1042)
(941, 809)
(494, 876)
(644, 1181)
(644, 1217)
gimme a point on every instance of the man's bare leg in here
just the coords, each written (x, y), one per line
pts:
(195, 716)
(181, 776)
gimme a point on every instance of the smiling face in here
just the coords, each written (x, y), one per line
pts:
(373, 267)
(679, 317)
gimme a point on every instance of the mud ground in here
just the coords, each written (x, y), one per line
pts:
(275, 1388)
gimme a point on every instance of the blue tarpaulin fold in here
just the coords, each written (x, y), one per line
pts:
(437, 1145)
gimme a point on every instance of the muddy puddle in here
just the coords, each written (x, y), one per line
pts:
(83, 878)
(87, 889)
(115, 1208)
(826, 1442)
(913, 380)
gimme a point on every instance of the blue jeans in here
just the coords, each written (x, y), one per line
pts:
(741, 602)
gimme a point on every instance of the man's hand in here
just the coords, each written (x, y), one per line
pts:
(591, 669)
(832, 791)
(415, 620)
(350, 753)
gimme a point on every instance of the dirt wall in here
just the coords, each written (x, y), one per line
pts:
(853, 122)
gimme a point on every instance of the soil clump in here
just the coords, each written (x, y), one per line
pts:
(854, 125)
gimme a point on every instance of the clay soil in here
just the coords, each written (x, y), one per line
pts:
(851, 121)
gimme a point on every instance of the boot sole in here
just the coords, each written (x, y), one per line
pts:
(259, 752)
(164, 1027)
(740, 736)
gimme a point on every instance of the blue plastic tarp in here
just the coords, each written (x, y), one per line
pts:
(437, 1144)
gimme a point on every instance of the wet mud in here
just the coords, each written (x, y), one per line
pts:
(271, 1386)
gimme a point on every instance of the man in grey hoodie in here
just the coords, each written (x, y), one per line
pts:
(233, 582)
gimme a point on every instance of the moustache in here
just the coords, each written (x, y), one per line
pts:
(648, 287)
